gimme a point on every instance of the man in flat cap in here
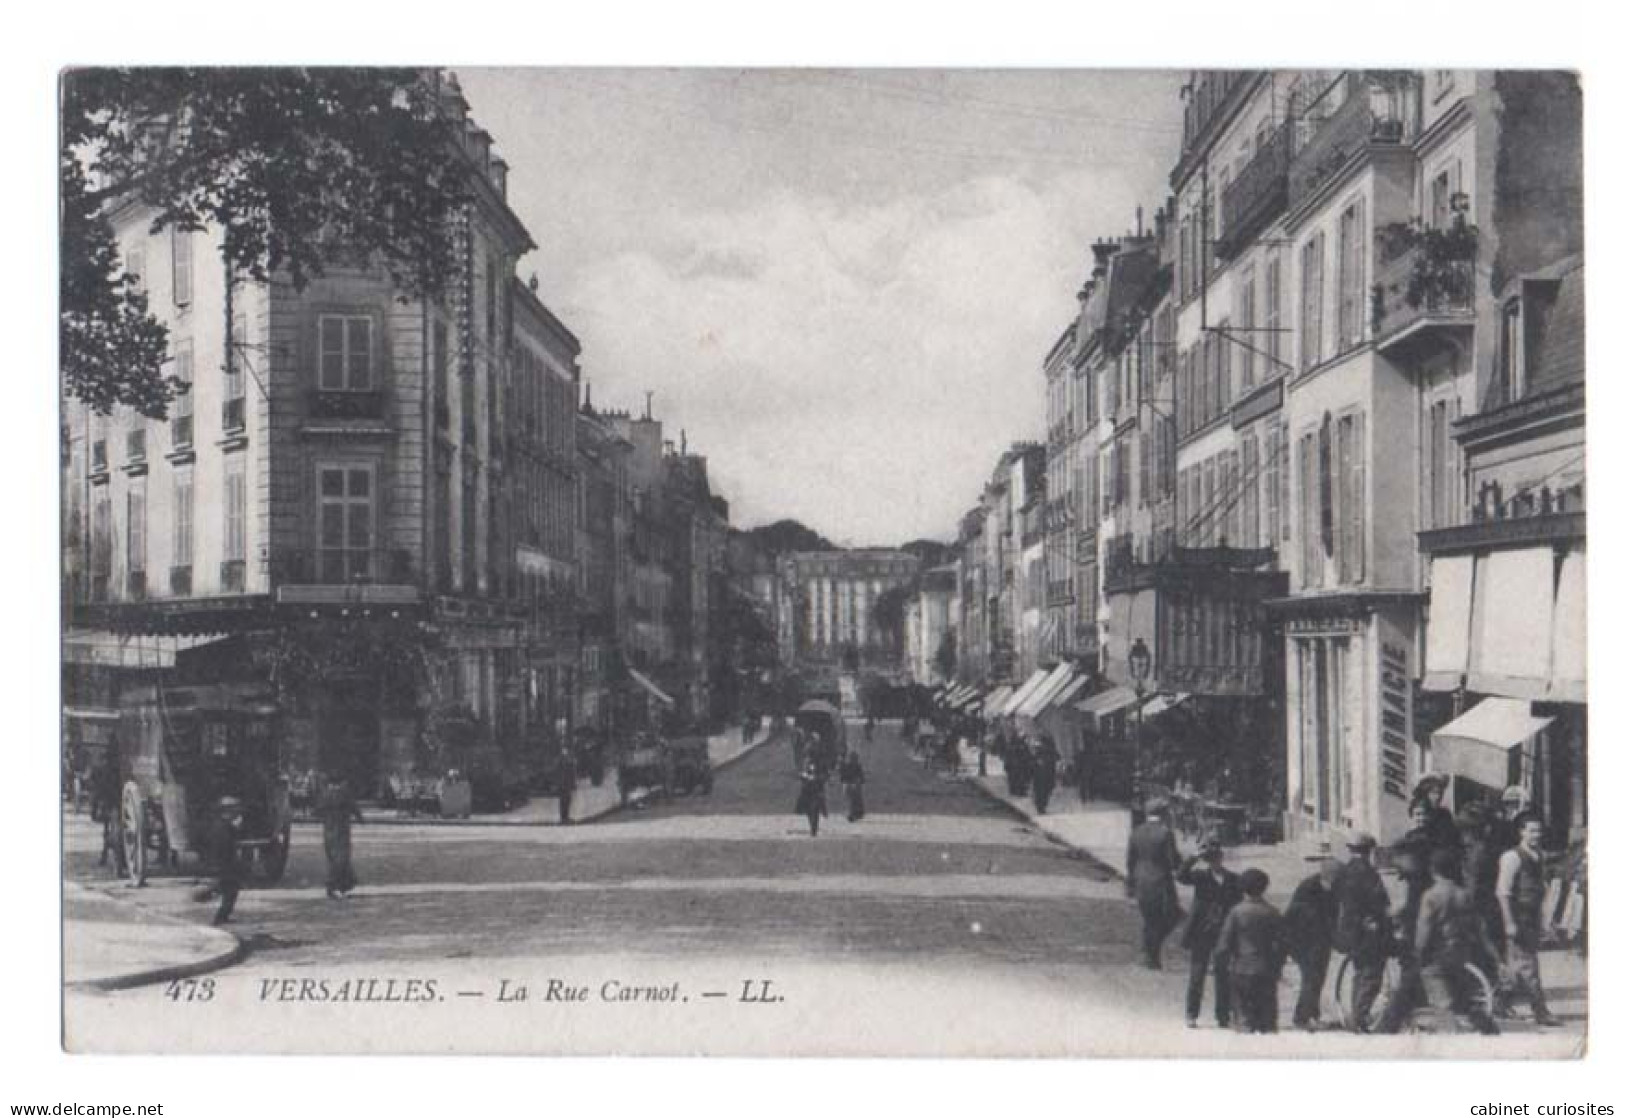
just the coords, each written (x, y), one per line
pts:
(1217, 891)
(1152, 862)
(1363, 932)
(1251, 949)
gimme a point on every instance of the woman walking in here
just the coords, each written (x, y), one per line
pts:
(336, 809)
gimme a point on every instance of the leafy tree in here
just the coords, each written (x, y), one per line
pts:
(297, 169)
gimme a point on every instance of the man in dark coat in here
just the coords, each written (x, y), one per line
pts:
(810, 799)
(1217, 892)
(224, 830)
(1449, 935)
(565, 777)
(1046, 766)
(1311, 921)
(852, 783)
(1251, 949)
(1362, 924)
(1152, 862)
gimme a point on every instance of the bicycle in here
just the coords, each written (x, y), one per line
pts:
(1481, 994)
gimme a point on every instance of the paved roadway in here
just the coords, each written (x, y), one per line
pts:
(939, 923)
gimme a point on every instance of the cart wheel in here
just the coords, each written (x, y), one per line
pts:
(133, 834)
(1343, 993)
(276, 854)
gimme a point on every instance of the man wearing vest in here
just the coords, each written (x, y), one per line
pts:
(1520, 888)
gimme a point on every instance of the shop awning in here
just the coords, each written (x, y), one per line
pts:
(1045, 691)
(1478, 745)
(1450, 618)
(1025, 690)
(648, 685)
(1569, 631)
(96, 648)
(1108, 702)
(996, 701)
(1162, 704)
(1513, 629)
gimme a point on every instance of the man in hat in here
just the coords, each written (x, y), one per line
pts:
(1251, 949)
(1153, 859)
(1440, 825)
(1362, 924)
(1217, 891)
(1520, 889)
(224, 829)
(1311, 920)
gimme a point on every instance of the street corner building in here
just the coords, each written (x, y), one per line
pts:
(393, 521)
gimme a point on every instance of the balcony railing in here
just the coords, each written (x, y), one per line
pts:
(1258, 193)
(180, 581)
(233, 576)
(347, 566)
(346, 405)
(1417, 282)
(234, 415)
(1340, 120)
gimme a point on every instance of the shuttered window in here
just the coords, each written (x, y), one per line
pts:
(1309, 304)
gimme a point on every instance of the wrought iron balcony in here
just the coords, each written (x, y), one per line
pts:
(1259, 192)
(1419, 289)
(1344, 118)
(346, 405)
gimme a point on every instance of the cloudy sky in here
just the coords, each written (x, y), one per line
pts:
(842, 284)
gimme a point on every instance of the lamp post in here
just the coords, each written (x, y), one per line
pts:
(1139, 669)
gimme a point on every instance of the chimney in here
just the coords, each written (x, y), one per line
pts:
(1104, 250)
(648, 405)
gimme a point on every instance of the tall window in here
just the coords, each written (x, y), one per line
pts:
(1352, 298)
(180, 256)
(1272, 313)
(181, 544)
(1274, 483)
(101, 542)
(135, 527)
(1350, 520)
(234, 551)
(1223, 343)
(1309, 536)
(1309, 304)
(471, 582)
(180, 425)
(346, 353)
(345, 521)
(1512, 355)
(1251, 482)
(235, 356)
(1249, 322)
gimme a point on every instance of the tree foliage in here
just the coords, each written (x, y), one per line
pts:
(296, 169)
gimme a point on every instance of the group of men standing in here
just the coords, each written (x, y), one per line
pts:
(1470, 901)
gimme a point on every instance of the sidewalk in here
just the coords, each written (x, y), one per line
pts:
(589, 802)
(113, 944)
(1101, 829)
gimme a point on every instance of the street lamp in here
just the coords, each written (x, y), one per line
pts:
(1139, 669)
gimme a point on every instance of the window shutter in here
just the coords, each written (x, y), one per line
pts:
(1357, 495)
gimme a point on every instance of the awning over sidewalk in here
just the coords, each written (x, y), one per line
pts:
(1513, 655)
(1025, 690)
(1108, 702)
(1062, 699)
(996, 701)
(1478, 745)
(1057, 679)
(1569, 631)
(1450, 619)
(648, 685)
(97, 648)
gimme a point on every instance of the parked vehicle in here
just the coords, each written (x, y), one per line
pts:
(691, 765)
(180, 750)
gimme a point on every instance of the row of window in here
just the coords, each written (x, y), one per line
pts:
(234, 538)
(1235, 497)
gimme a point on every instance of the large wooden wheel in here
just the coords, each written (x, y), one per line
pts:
(133, 833)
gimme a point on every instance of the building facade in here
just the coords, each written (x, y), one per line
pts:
(827, 616)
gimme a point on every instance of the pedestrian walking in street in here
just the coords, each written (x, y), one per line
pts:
(1439, 823)
(1217, 891)
(1520, 888)
(852, 784)
(1450, 934)
(226, 827)
(1152, 862)
(1411, 864)
(1311, 920)
(337, 809)
(1363, 928)
(1046, 766)
(810, 800)
(565, 778)
(1251, 949)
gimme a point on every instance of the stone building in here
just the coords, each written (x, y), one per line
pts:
(827, 613)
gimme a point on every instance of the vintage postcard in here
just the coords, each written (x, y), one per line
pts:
(823, 562)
